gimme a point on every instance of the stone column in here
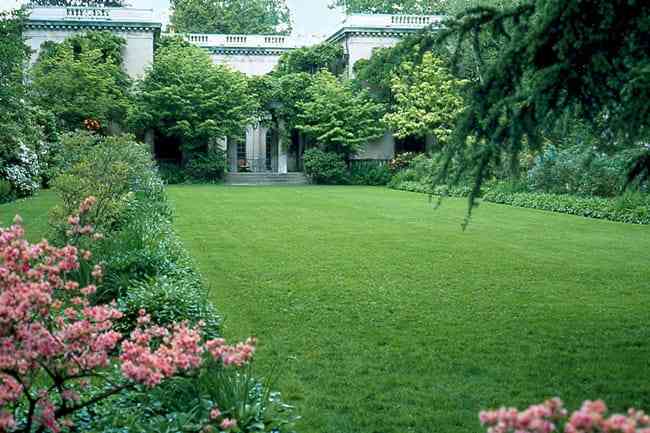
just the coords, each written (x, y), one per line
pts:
(149, 140)
(282, 149)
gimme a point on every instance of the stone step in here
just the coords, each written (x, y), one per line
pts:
(240, 179)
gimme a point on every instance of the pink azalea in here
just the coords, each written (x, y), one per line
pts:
(228, 424)
(48, 328)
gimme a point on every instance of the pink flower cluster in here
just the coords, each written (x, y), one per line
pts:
(592, 418)
(224, 423)
(546, 417)
(177, 350)
(46, 321)
(49, 330)
(75, 221)
(536, 419)
(237, 355)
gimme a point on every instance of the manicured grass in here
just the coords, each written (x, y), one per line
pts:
(383, 316)
(33, 211)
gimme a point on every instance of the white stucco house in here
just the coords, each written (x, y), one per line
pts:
(359, 35)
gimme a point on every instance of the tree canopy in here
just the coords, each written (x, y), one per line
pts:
(186, 96)
(338, 118)
(588, 59)
(428, 100)
(231, 16)
(82, 78)
(23, 128)
(312, 59)
(13, 55)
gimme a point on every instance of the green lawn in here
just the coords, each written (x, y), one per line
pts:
(383, 316)
(33, 211)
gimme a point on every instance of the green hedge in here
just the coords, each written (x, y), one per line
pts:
(145, 264)
(425, 188)
(629, 208)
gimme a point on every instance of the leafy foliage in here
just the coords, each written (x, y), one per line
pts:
(313, 59)
(324, 167)
(185, 95)
(23, 134)
(114, 171)
(588, 59)
(428, 100)
(231, 16)
(171, 173)
(6, 191)
(82, 78)
(290, 96)
(208, 167)
(54, 334)
(338, 119)
(182, 405)
(629, 208)
(579, 171)
(169, 299)
(369, 172)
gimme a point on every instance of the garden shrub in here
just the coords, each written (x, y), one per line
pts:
(324, 167)
(580, 171)
(139, 247)
(171, 173)
(6, 191)
(170, 299)
(439, 190)
(629, 208)
(73, 147)
(369, 172)
(144, 246)
(401, 161)
(184, 404)
(52, 332)
(21, 166)
(418, 176)
(115, 171)
(207, 167)
(419, 168)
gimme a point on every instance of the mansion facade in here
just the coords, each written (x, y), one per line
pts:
(260, 151)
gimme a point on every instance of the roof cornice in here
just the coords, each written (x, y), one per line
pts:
(93, 25)
(248, 51)
(370, 32)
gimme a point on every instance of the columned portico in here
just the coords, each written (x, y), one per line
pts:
(260, 149)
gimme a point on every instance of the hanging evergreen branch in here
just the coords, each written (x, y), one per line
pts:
(590, 57)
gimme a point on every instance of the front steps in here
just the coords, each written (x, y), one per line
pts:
(246, 179)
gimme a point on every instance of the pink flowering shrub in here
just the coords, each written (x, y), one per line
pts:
(551, 416)
(54, 342)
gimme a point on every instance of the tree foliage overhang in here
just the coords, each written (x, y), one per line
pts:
(589, 59)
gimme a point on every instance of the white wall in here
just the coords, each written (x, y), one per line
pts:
(383, 148)
(362, 47)
(138, 52)
(138, 55)
(252, 65)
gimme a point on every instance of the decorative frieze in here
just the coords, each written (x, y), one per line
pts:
(75, 18)
(92, 25)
